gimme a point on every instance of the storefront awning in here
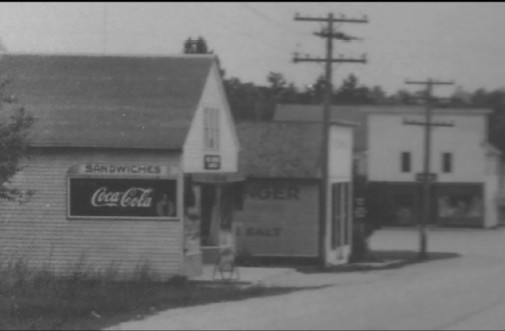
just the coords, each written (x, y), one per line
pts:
(229, 177)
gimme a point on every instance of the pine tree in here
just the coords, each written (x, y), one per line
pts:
(15, 128)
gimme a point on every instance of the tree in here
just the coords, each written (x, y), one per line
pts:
(352, 93)
(377, 95)
(289, 94)
(246, 100)
(277, 81)
(196, 46)
(460, 98)
(404, 97)
(347, 93)
(15, 127)
(479, 97)
(313, 93)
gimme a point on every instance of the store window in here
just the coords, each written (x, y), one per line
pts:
(211, 129)
(340, 215)
(405, 161)
(462, 205)
(404, 208)
(447, 162)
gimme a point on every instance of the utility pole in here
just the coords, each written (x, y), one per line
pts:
(426, 178)
(329, 33)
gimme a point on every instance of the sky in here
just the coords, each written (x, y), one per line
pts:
(461, 42)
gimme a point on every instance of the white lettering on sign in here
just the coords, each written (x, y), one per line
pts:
(212, 162)
(134, 197)
(121, 169)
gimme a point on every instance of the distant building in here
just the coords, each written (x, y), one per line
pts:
(314, 114)
(466, 166)
(280, 216)
(389, 154)
(116, 141)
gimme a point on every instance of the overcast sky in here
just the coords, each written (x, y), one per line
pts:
(462, 42)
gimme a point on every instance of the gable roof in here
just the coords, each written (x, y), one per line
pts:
(314, 113)
(108, 101)
(358, 114)
(280, 150)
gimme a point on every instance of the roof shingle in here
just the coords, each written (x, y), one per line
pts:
(280, 150)
(108, 101)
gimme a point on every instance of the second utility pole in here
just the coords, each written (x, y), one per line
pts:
(329, 34)
(426, 178)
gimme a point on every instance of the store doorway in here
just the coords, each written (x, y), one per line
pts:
(341, 220)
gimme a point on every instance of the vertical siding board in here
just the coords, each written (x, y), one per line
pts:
(40, 232)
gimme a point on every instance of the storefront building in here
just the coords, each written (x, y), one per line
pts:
(116, 143)
(388, 155)
(280, 215)
(464, 166)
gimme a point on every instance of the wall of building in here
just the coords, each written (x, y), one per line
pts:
(389, 136)
(466, 140)
(493, 190)
(194, 149)
(452, 204)
(279, 218)
(340, 153)
(40, 232)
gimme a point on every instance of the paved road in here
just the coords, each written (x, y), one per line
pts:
(465, 293)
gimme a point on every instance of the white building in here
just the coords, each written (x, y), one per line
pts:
(389, 154)
(112, 129)
(281, 214)
(466, 166)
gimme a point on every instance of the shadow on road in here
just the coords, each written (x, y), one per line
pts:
(380, 260)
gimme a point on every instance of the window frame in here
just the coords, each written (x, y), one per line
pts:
(211, 127)
(406, 162)
(447, 162)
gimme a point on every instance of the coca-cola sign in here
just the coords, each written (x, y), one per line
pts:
(137, 198)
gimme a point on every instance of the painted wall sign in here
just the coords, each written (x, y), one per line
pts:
(125, 170)
(278, 218)
(120, 198)
(212, 162)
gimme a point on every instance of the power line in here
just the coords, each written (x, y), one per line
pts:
(260, 14)
(232, 29)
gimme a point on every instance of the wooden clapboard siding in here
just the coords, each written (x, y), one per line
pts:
(40, 232)
(297, 220)
(194, 151)
(340, 153)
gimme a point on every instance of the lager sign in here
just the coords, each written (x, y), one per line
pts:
(122, 198)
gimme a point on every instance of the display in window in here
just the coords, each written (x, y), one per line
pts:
(404, 209)
(460, 205)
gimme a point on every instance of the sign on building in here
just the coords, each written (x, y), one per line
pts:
(122, 198)
(421, 177)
